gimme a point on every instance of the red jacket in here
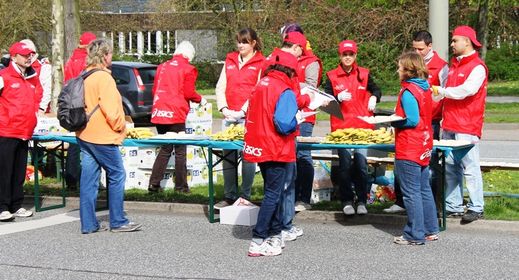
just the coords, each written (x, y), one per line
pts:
(173, 88)
(415, 144)
(303, 62)
(434, 67)
(355, 82)
(465, 115)
(19, 103)
(75, 64)
(262, 142)
(241, 82)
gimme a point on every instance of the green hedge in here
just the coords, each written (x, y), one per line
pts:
(503, 63)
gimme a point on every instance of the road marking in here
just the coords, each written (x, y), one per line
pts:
(44, 222)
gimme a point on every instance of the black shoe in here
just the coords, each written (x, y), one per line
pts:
(154, 189)
(454, 214)
(471, 216)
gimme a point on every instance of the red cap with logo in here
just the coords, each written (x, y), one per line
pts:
(347, 46)
(282, 58)
(468, 32)
(296, 38)
(86, 38)
(20, 48)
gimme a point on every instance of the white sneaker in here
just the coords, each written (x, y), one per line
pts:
(22, 213)
(348, 210)
(277, 241)
(361, 209)
(394, 209)
(266, 248)
(297, 230)
(288, 235)
(301, 206)
(6, 216)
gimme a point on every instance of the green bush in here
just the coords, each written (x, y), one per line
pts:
(503, 63)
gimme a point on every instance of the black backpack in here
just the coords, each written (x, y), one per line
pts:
(71, 103)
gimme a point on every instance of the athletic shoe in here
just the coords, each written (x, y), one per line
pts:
(348, 210)
(361, 209)
(454, 214)
(222, 204)
(266, 248)
(394, 209)
(301, 206)
(22, 213)
(288, 235)
(154, 189)
(6, 216)
(277, 241)
(471, 216)
(131, 226)
(101, 228)
(400, 240)
(432, 237)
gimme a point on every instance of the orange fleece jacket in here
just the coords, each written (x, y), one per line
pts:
(107, 125)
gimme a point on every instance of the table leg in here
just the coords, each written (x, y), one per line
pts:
(211, 186)
(443, 225)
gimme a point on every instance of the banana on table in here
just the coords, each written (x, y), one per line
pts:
(360, 136)
(233, 132)
(139, 133)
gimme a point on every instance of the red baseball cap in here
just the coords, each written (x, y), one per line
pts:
(282, 58)
(468, 32)
(296, 38)
(86, 38)
(347, 45)
(20, 48)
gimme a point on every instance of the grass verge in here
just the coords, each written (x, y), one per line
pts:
(497, 207)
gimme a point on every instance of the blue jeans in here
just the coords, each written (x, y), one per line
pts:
(274, 177)
(248, 171)
(467, 168)
(305, 168)
(95, 156)
(355, 172)
(286, 210)
(421, 211)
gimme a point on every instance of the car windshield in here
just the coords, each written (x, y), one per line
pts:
(147, 75)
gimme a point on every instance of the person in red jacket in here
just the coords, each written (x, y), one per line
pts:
(309, 73)
(270, 132)
(173, 88)
(73, 68)
(44, 70)
(239, 76)
(413, 148)
(20, 96)
(354, 88)
(438, 70)
(77, 61)
(463, 110)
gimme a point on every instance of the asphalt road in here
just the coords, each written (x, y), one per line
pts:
(181, 246)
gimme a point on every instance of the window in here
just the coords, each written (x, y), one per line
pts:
(121, 76)
(147, 75)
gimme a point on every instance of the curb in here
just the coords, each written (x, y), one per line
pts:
(311, 216)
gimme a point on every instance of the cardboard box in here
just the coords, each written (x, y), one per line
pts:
(49, 124)
(321, 195)
(242, 213)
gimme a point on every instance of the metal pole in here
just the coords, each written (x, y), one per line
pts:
(439, 26)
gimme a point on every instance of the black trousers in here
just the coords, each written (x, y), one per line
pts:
(13, 163)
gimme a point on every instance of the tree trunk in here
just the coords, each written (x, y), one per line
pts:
(57, 50)
(482, 27)
(72, 27)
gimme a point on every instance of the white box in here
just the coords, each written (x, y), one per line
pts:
(242, 213)
(320, 195)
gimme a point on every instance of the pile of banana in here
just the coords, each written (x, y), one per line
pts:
(139, 133)
(233, 132)
(360, 136)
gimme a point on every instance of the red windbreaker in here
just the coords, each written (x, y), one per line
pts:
(355, 82)
(415, 144)
(173, 88)
(19, 103)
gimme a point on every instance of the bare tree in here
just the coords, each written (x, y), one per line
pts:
(58, 40)
(72, 27)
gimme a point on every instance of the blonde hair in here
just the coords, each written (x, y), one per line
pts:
(97, 50)
(413, 65)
